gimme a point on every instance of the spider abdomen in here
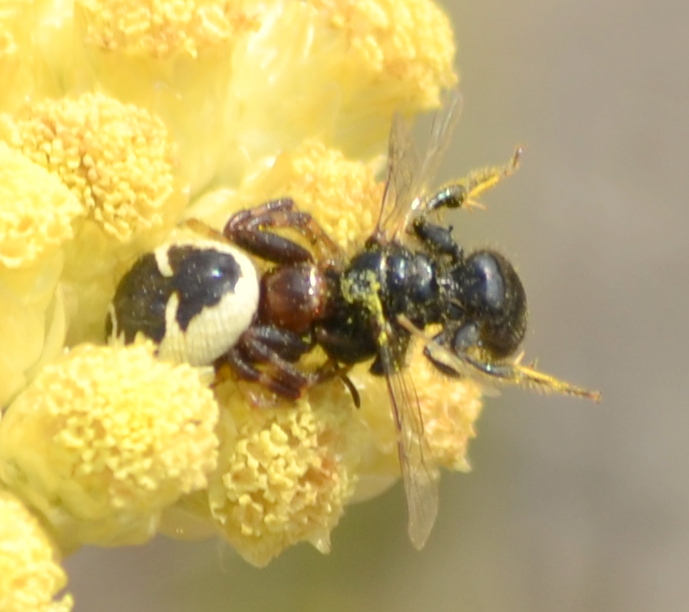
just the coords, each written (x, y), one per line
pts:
(192, 298)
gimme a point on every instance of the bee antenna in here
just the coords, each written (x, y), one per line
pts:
(356, 397)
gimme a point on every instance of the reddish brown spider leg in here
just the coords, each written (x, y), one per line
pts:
(245, 371)
(248, 228)
(274, 347)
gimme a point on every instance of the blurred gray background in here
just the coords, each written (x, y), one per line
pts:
(571, 506)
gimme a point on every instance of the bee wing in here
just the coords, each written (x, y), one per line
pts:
(444, 124)
(408, 174)
(419, 473)
(403, 165)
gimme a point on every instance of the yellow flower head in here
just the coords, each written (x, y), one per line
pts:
(116, 158)
(37, 214)
(101, 441)
(30, 574)
(161, 28)
(284, 473)
(341, 193)
(118, 161)
(349, 66)
(407, 44)
(37, 210)
(183, 47)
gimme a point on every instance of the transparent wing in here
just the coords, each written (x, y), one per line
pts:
(419, 473)
(403, 166)
(444, 124)
(409, 174)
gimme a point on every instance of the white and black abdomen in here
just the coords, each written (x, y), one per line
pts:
(192, 298)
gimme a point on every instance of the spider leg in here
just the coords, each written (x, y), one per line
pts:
(249, 229)
(275, 348)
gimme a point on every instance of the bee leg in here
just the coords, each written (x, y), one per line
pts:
(457, 340)
(454, 195)
(465, 192)
(248, 229)
(437, 237)
(442, 339)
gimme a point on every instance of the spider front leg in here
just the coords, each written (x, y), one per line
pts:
(248, 228)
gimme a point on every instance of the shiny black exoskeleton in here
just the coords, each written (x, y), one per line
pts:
(410, 278)
(478, 300)
(407, 282)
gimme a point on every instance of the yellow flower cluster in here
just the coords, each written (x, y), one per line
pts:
(117, 160)
(30, 574)
(35, 222)
(88, 143)
(123, 118)
(105, 438)
(280, 477)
